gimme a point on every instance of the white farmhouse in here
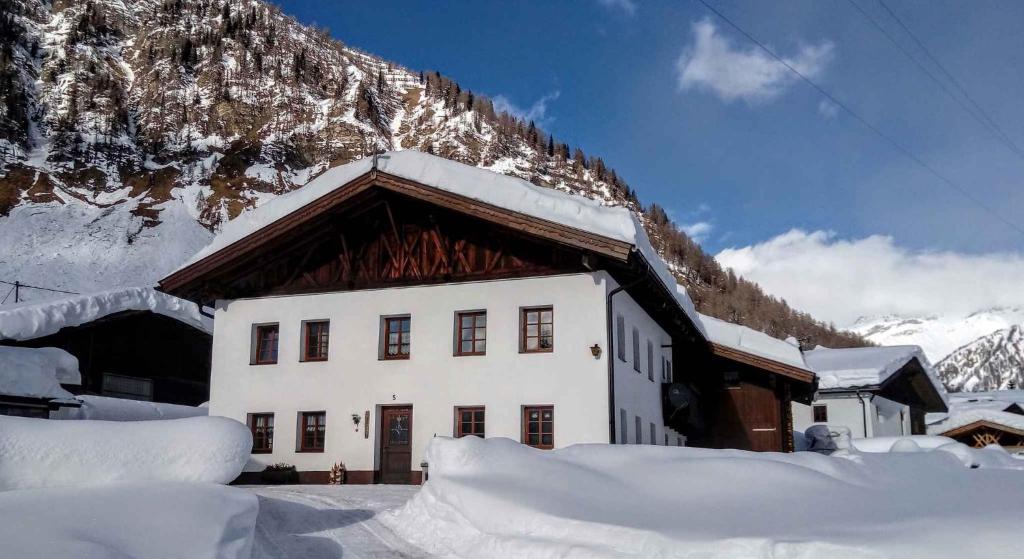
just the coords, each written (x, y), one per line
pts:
(872, 391)
(404, 297)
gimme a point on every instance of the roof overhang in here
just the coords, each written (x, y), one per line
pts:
(979, 424)
(909, 385)
(770, 365)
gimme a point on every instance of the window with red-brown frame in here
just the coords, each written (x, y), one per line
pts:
(470, 333)
(536, 330)
(265, 341)
(315, 335)
(469, 420)
(396, 339)
(539, 426)
(312, 431)
(262, 427)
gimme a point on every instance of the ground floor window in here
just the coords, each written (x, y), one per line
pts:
(133, 388)
(820, 413)
(469, 421)
(539, 426)
(623, 433)
(638, 431)
(654, 435)
(312, 428)
(262, 427)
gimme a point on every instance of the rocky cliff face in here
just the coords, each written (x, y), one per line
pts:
(992, 362)
(130, 131)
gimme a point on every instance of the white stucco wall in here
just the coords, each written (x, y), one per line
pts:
(433, 381)
(884, 417)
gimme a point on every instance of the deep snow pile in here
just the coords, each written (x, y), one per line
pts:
(119, 409)
(43, 453)
(497, 498)
(33, 320)
(145, 520)
(752, 341)
(37, 372)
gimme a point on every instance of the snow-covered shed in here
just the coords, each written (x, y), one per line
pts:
(982, 418)
(134, 342)
(873, 391)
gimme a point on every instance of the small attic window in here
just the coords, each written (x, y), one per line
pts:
(820, 412)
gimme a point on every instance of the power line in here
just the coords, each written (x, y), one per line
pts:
(8, 295)
(982, 120)
(946, 72)
(19, 284)
(892, 141)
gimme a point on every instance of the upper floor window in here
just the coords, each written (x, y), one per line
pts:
(664, 369)
(471, 333)
(537, 330)
(396, 339)
(264, 344)
(636, 350)
(262, 427)
(668, 369)
(539, 426)
(469, 421)
(650, 361)
(314, 340)
(620, 334)
(820, 413)
(312, 431)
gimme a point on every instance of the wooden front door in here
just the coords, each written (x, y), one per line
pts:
(396, 444)
(759, 416)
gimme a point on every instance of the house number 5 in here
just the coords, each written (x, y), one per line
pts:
(393, 397)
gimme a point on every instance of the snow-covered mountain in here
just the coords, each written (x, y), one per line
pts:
(976, 351)
(131, 130)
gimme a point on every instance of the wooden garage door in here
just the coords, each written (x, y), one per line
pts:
(758, 415)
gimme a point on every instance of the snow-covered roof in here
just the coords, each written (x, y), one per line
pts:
(993, 400)
(119, 409)
(27, 321)
(510, 193)
(958, 419)
(31, 372)
(865, 367)
(752, 341)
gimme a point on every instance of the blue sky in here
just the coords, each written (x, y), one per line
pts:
(723, 138)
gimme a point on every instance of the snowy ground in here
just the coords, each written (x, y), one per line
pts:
(329, 521)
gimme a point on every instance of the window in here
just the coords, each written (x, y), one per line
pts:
(620, 330)
(469, 421)
(623, 434)
(132, 388)
(265, 344)
(539, 426)
(666, 439)
(820, 413)
(650, 361)
(471, 333)
(312, 428)
(638, 431)
(395, 343)
(636, 350)
(664, 369)
(262, 427)
(654, 435)
(668, 369)
(537, 330)
(314, 340)
(679, 441)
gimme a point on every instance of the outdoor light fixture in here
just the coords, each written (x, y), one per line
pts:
(355, 420)
(595, 350)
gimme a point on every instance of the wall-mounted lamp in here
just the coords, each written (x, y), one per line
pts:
(355, 420)
(595, 350)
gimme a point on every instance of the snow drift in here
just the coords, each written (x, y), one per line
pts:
(37, 372)
(151, 520)
(44, 453)
(497, 498)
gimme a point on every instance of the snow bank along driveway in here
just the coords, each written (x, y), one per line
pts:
(496, 498)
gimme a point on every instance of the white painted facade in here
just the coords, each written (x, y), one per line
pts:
(868, 416)
(353, 380)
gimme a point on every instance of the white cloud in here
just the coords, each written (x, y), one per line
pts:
(626, 6)
(698, 231)
(840, 280)
(828, 109)
(714, 64)
(536, 112)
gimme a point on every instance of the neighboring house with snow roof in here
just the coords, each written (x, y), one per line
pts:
(405, 296)
(32, 380)
(982, 418)
(135, 343)
(747, 385)
(873, 391)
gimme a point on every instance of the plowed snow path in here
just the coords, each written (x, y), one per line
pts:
(329, 521)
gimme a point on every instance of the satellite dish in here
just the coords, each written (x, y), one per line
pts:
(683, 405)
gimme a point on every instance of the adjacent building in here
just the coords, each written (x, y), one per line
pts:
(980, 419)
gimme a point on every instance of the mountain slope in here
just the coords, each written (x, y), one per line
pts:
(992, 362)
(130, 131)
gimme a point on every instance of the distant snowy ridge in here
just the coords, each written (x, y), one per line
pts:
(992, 362)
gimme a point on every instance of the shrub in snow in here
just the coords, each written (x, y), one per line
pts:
(43, 453)
(280, 474)
(498, 498)
(152, 520)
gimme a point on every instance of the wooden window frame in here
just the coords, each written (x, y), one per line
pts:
(257, 343)
(526, 426)
(459, 410)
(624, 429)
(523, 321)
(814, 413)
(638, 430)
(301, 435)
(668, 369)
(251, 420)
(620, 334)
(476, 315)
(385, 334)
(636, 349)
(324, 343)
(650, 360)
